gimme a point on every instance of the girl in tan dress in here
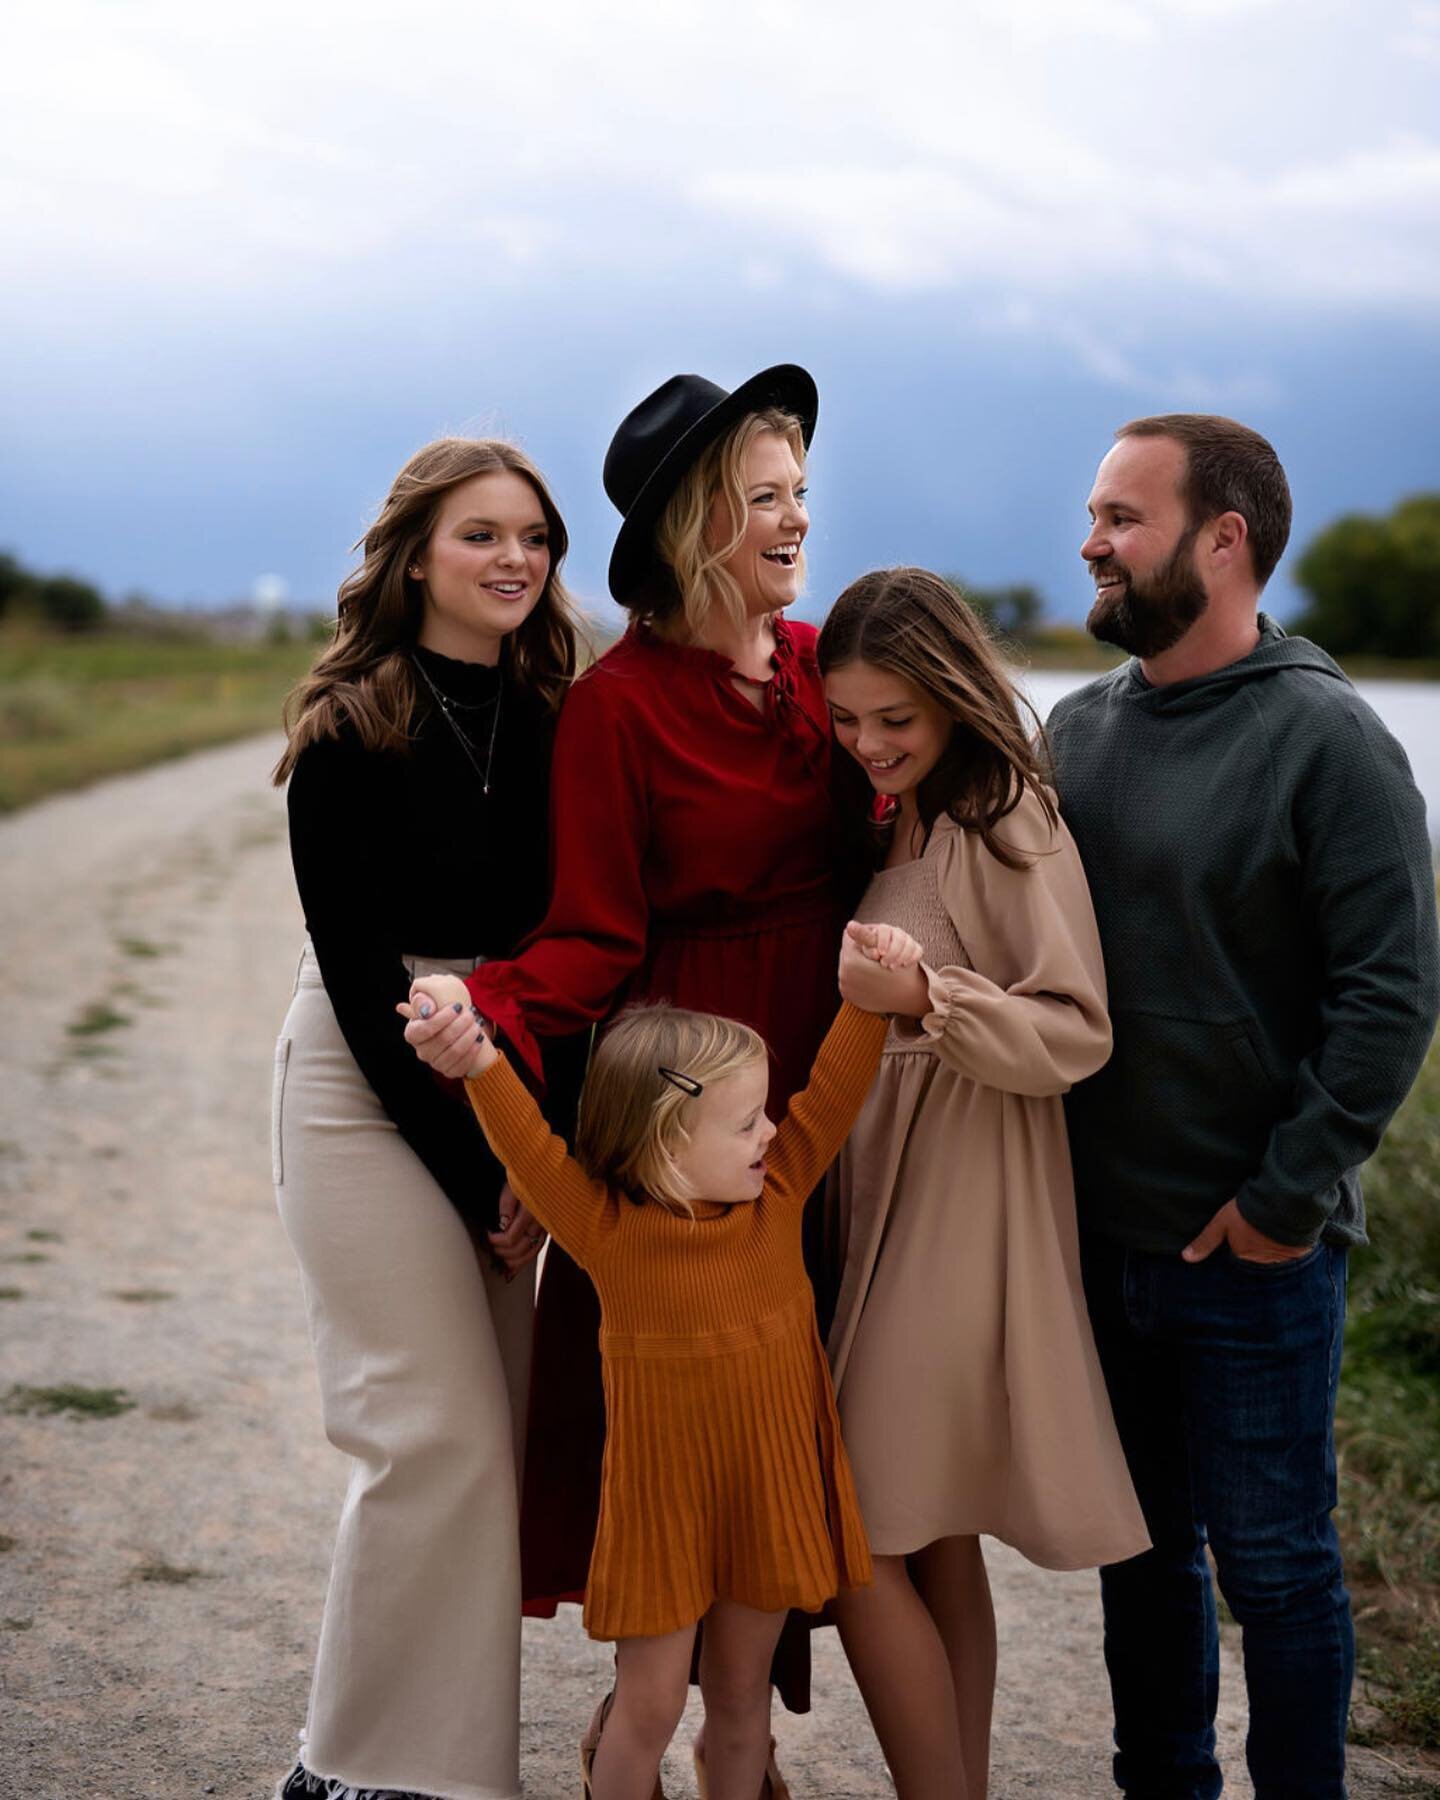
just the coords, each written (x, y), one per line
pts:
(969, 1392)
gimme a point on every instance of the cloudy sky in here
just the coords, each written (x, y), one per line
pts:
(257, 254)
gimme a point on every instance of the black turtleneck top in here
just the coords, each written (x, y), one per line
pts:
(403, 853)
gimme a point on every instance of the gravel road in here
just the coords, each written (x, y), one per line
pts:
(162, 1570)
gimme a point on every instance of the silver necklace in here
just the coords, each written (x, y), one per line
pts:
(482, 774)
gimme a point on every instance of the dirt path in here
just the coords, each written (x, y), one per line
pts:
(161, 1571)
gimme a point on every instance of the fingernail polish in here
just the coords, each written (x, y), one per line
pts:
(426, 1009)
(458, 1007)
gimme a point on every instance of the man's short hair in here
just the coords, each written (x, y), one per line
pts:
(1228, 468)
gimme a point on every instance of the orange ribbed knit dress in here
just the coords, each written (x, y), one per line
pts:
(725, 1477)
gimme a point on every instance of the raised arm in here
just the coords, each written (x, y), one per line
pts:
(593, 936)
(1029, 1017)
(820, 1117)
(542, 1172)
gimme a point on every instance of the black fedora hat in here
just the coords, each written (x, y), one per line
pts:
(661, 438)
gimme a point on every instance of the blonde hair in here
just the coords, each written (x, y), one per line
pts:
(680, 538)
(364, 674)
(632, 1119)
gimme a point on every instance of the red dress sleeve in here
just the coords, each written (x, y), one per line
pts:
(593, 936)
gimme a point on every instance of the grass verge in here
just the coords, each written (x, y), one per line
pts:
(1388, 1430)
(76, 707)
(69, 1397)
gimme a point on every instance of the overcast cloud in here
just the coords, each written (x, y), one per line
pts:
(237, 233)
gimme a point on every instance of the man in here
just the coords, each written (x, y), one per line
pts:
(1265, 892)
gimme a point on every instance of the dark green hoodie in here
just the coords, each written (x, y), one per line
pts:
(1265, 890)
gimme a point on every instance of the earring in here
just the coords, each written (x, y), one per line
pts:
(414, 573)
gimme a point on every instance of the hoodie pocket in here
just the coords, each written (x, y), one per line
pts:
(1245, 1047)
(1247, 1058)
(1183, 1107)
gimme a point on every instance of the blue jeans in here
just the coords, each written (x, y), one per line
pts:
(1222, 1375)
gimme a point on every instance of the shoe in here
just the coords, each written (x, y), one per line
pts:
(773, 1787)
(590, 1743)
(300, 1784)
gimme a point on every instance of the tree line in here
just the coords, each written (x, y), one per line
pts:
(62, 601)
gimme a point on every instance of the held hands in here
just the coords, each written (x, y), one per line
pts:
(443, 1032)
(880, 970)
(1230, 1226)
(443, 1028)
(520, 1237)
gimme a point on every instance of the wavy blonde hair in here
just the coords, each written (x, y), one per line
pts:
(364, 675)
(702, 585)
(632, 1119)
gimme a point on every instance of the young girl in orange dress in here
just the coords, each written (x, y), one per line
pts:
(726, 1496)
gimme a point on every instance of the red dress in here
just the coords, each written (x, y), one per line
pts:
(694, 860)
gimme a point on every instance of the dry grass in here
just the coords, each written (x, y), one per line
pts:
(74, 708)
(1388, 1428)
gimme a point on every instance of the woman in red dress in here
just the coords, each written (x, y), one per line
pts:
(692, 841)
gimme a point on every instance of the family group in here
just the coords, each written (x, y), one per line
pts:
(936, 1126)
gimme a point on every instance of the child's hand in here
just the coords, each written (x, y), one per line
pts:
(443, 1030)
(887, 945)
(880, 971)
(440, 990)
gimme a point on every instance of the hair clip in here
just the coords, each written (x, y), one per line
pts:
(687, 1084)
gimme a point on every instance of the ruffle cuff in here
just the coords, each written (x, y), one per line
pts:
(489, 991)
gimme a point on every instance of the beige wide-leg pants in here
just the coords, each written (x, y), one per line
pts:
(423, 1355)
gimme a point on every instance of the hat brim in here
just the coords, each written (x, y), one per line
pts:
(786, 386)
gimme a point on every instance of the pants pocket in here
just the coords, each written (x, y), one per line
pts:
(277, 1110)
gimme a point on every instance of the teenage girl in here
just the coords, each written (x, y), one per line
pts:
(725, 1495)
(968, 1386)
(435, 700)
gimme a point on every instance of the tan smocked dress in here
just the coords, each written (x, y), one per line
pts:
(969, 1391)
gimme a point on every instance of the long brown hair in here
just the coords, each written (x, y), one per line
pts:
(917, 626)
(364, 675)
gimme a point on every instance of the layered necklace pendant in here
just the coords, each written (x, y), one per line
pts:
(448, 709)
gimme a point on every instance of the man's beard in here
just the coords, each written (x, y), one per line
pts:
(1149, 616)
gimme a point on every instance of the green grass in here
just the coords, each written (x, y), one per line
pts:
(76, 707)
(98, 1016)
(136, 946)
(1388, 1427)
(69, 1397)
(165, 1574)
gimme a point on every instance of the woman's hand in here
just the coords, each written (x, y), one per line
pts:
(521, 1236)
(443, 1028)
(880, 970)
